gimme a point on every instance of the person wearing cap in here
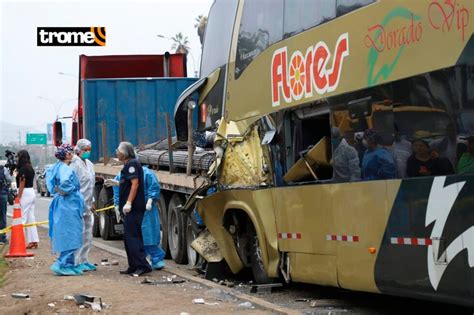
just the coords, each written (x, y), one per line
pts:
(466, 162)
(423, 163)
(65, 212)
(85, 172)
(378, 162)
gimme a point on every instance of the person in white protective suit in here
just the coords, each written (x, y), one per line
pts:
(85, 172)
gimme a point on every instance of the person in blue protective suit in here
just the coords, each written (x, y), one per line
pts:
(65, 212)
(85, 172)
(378, 162)
(151, 218)
(132, 206)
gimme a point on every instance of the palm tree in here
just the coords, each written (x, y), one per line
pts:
(180, 43)
(201, 23)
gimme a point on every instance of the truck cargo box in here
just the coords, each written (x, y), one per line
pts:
(129, 109)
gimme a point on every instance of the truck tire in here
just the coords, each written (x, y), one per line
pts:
(162, 209)
(177, 230)
(106, 224)
(95, 227)
(258, 270)
(193, 256)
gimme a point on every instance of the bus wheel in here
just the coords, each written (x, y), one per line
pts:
(258, 269)
(163, 225)
(177, 230)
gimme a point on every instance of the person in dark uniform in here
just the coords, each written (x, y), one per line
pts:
(132, 205)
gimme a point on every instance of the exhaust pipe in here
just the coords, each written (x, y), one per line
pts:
(166, 65)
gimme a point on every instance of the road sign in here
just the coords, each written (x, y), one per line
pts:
(35, 138)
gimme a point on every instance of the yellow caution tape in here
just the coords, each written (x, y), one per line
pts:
(7, 229)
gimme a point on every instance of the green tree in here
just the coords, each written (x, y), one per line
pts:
(180, 43)
(201, 23)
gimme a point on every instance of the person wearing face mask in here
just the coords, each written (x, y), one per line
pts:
(26, 194)
(378, 162)
(132, 205)
(85, 172)
(65, 212)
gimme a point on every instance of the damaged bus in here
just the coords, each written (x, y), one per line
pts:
(344, 137)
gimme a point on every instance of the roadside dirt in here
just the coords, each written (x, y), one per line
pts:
(123, 294)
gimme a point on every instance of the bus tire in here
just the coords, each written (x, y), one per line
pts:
(177, 230)
(162, 209)
(258, 270)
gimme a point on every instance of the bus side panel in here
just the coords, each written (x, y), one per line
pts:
(313, 268)
(428, 246)
(361, 212)
(304, 219)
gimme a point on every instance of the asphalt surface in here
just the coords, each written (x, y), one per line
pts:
(304, 298)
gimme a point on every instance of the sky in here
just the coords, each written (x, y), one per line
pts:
(33, 93)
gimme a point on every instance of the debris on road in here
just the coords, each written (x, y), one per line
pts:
(52, 305)
(165, 280)
(202, 301)
(68, 298)
(265, 288)
(246, 305)
(20, 296)
(220, 295)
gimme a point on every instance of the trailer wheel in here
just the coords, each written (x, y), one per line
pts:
(95, 227)
(106, 224)
(177, 230)
(193, 256)
(163, 225)
(258, 270)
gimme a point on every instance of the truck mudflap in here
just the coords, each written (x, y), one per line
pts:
(427, 250)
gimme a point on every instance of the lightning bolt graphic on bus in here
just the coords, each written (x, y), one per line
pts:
(440, 203)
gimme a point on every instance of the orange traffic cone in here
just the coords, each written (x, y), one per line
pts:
(17, 239)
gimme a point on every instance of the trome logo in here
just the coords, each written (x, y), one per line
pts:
(70, 36)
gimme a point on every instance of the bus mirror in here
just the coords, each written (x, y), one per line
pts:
(268, 136)
(360, 109)
(57, 133)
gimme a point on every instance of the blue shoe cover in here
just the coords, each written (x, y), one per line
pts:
(77, 271)
(159, 265)
(60, 271)
(90, 267)
(81, 267)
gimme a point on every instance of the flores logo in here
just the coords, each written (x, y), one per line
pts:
(307, 73)
(71, 36)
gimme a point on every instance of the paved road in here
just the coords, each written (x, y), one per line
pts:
(299, 296)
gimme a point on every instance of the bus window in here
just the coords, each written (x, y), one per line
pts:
(346, 6)
(261, 25)
(310, 145)
(218, 36)
(300, 15)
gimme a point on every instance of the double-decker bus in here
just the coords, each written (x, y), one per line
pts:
(345, 148)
